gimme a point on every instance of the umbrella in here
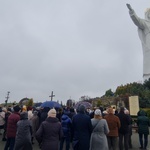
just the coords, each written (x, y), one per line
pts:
(86, 104)
(51, 104)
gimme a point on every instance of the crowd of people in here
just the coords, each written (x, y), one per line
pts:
(81, 129)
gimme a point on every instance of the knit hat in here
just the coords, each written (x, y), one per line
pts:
(98, 112)
(16, 108)
(52, 113)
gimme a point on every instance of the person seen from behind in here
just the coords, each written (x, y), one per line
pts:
(12, 128)
(143, 128)
(114, 125)
(82, 128)
(67, 128)
(43, 114)
(98, 139)
(130, 128)
(24, 132)
(35, 125)
(124, 129)
(7, 113)
(49, 132)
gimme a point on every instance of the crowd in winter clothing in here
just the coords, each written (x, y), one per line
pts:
(81, 129)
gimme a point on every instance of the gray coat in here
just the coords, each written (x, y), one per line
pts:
(23, 135)
(98, 138)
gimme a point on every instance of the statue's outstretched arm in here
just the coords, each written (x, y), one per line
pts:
(131, 11)
(137, 21)
(129, 7)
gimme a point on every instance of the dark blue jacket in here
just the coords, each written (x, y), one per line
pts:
(66, 125)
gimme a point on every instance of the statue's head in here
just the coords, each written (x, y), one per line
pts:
(147, 14)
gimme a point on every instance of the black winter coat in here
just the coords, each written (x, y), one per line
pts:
(82, 129)
(49, 134)
(125, 122)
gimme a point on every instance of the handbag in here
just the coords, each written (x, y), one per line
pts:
(96, 125)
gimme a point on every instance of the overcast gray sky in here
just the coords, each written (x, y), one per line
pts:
(74, 48)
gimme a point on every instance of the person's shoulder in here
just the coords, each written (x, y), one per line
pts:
(106, 116)
(116, 116)
(44, 123)
(12, 115)
(104, 120)
(17, 115)
(87, 116)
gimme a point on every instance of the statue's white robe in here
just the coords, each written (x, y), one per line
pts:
(144, 35)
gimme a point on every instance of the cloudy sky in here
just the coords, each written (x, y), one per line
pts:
(74, 48)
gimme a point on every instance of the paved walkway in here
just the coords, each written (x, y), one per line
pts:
(135, 143)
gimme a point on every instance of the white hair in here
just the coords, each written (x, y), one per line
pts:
(126, 111)
(98, 112)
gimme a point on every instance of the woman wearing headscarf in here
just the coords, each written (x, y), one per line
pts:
(49, 132)
(100, 130)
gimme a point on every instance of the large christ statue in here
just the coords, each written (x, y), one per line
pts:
(144, 35)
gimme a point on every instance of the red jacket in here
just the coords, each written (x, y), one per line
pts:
(12, 124)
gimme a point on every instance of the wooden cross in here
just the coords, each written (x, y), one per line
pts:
(7, 97)
(52, 96)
